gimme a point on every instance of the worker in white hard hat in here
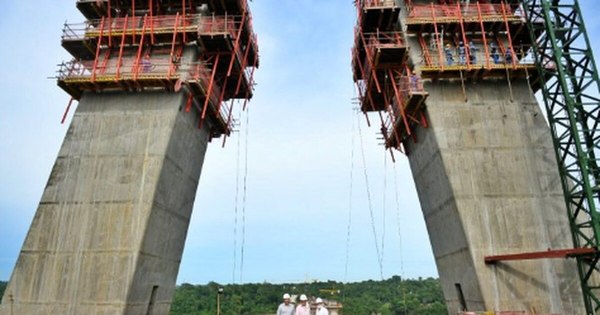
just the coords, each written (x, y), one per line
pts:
(303, 308)
(321, 309)
(285, 308)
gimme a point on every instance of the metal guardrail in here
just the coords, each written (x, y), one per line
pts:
(228, 24)
(445, 12)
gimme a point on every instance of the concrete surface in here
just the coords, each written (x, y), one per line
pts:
(109, 231)
(488, 184)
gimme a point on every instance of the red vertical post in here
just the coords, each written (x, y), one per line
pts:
(210, 88)
(151, 9)
(188, 104)
(485, 46)
(425, 50)
(123, 36)
(370, 61)
(184, 24)
(250, 82)
(510, 45)
(393, 123)
(229, 116)
(138, 57)
(109, 25)
(171, 64)
(464, 36)
(440, 43)
(237, 44)
(399, 101)
(134, 21)
(95, 66)
(244, 61)
(366, 92)
(64, 117)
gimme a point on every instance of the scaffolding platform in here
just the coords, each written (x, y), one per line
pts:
(377, 14)
(403, 118)
(373, 56)
(95, 9)
(77, 77)
(476, 18)
(478, 71)
(228, 6)
(207, 48)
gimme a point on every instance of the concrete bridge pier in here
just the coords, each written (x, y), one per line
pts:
(109, 232)
(488, 184)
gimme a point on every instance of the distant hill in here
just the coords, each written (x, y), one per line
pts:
(389, 297)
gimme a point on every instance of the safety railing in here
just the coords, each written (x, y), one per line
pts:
(475, 56)
(384, 39)
(209, 25)
(444, 13)
(128, 69)
(147, 74)
(219, 24)
(396, 124)
(366, 4)
(408, 85)
(374, 42)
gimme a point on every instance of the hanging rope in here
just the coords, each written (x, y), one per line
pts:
(384, 207)
(399, 223)
(237, 193)
(350, 191)
(362, 149)
(242, 250)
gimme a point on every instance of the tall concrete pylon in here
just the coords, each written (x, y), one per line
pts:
(454, 84)
(109, 231)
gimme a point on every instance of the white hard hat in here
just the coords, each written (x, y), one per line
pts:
(303, 298)
(319, 300)
(286, 296)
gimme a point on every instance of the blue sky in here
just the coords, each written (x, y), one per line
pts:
(300, 145)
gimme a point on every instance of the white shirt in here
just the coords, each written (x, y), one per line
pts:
(302, 310)
(322, 310)
(285, 309)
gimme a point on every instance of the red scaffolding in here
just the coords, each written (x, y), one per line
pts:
(139, 45)
(453, 40)
(384, 81)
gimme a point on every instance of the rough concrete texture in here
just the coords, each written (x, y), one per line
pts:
(109, 232)
(488, 184)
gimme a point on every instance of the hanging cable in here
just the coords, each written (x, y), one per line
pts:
(362, 149)
(237, 193)
(244, 194)
(399, 223)
(384, 207)
(350, 191)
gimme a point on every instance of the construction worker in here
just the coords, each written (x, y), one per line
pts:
(449, 57)
(494, 53)
(521, 52)
(508, 56)
(321, 309)
(473, 52)
(414, 81)
(146, 63)
(285, 308)
(303, 308)
(462, 53)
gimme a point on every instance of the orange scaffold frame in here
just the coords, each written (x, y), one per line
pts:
(384, 82)
(224, 71)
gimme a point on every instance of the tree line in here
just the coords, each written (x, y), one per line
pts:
(3, 285)
(393, 296)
